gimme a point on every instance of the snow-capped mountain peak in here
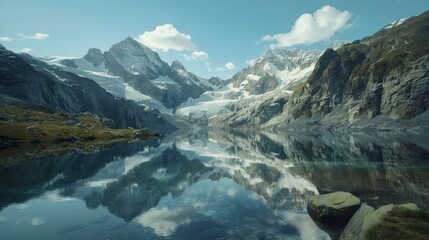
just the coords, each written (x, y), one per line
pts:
(395, 23)
(131, 70)
(276, 67)
(135, 58)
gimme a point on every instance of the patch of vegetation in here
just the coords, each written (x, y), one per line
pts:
(401, 223)
(31, 132)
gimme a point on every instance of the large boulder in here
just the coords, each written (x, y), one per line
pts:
(339, 205)
(354, 226)
(366, 218)
(378, 216)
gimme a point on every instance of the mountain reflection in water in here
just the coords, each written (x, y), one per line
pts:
(208, 185)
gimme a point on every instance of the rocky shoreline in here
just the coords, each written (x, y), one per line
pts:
(29, 133)
(343, 216)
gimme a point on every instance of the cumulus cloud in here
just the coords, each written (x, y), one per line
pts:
(40, 36)
(26, 50)
(312, 28)
(6, 39)
(36, 36)
(165, 38)
(196, 55)
(228, 66)
(200, 55)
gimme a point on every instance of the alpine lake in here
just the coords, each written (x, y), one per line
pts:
(207, 185)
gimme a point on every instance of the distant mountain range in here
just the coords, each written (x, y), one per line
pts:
(378, 82)
(148, 80)
(270, 76)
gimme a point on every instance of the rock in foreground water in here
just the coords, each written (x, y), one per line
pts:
(333, 205)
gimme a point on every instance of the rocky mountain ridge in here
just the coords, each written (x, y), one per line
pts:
(275, 68)
(138, 74)
(254, 94)
(385, 76)
(380, 82)
(27, 79)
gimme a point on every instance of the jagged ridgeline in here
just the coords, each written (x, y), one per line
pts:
(133, 71)
(381, 77)
(378, 82)
(23, 78)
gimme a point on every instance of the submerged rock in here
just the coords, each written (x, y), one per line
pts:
(333, 205)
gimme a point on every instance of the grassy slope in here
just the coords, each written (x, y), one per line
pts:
(29, 132)
(401, 224)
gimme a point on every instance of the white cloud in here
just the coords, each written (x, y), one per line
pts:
(26, 50)
(166, 38)
(200, 55)
(36, 36)
(6, 39)
(196, 55)
(40, 36)
(230, 66)
(312, 28)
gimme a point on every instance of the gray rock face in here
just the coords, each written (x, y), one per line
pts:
(366, 217)
(178, 65)
(69, 63)
(25, 78)
(380, 82)
(269, 79)
(144, 70)
(131, 57)
(275, 67)
(216, 81)
(331, 211)
(333, 205)
(250, 113)
(94, 56)
(382, 76)
(375, 217)
(354, 226)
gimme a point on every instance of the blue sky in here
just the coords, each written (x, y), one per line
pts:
(211, 38)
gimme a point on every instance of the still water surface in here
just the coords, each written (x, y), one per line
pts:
(210, 185)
